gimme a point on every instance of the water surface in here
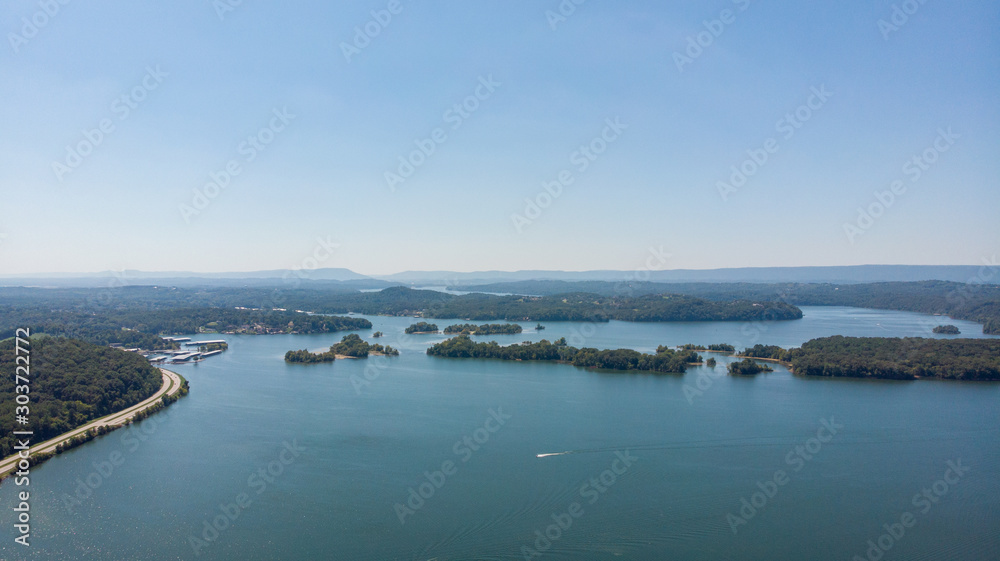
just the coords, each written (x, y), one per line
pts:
(356, 436)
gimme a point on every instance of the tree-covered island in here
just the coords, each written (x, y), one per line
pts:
(484, 329)
(716, 348)
(905, 358)
(351, 346)
(893, 358)
(421, 328)
(747, 367)
(666, 360)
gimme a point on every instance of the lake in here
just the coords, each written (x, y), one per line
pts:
(417, 458)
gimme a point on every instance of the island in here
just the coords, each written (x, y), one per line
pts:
(484, 329)
(666, 360)
(946, 330)
(906, 358)
(889, 358)
(747, 367)
(421, 328)
(716, 348)
(351, 346)
(771, 353)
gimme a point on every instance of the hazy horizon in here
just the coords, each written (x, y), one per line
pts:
(984, 273)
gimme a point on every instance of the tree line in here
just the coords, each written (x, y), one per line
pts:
(718, 347)
(399, 301)
(421, 327)
(747, 367)
(895, 358)
(72, 383)
(898, 358)
(143, 328)
(973, 301)
(666, 360)
(484, 329)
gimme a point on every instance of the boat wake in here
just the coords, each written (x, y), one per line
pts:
(552, 454)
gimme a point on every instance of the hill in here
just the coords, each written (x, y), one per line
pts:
(72, 382)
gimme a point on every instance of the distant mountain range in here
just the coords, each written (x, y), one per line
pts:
(346, 278)
(838, 275)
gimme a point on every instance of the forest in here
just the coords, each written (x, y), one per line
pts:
(36, 304)
(766, 351)
(747, 367)
(354, 346)
(421, 327)
(72, 383)
(142, 328)
(973, 301)
(593, 307)
(304, 356)
(484, 329)
(898, 358)
(665, 360)
(718, 347)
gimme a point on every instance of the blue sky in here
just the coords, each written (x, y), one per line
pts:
(197, 85)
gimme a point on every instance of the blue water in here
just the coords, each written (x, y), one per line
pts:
(345, 443)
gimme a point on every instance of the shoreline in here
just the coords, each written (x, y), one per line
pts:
(774, 360)
(172, 383)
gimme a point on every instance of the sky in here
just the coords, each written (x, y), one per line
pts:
(383, 136)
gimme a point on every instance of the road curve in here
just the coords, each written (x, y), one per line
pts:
(171, 385)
